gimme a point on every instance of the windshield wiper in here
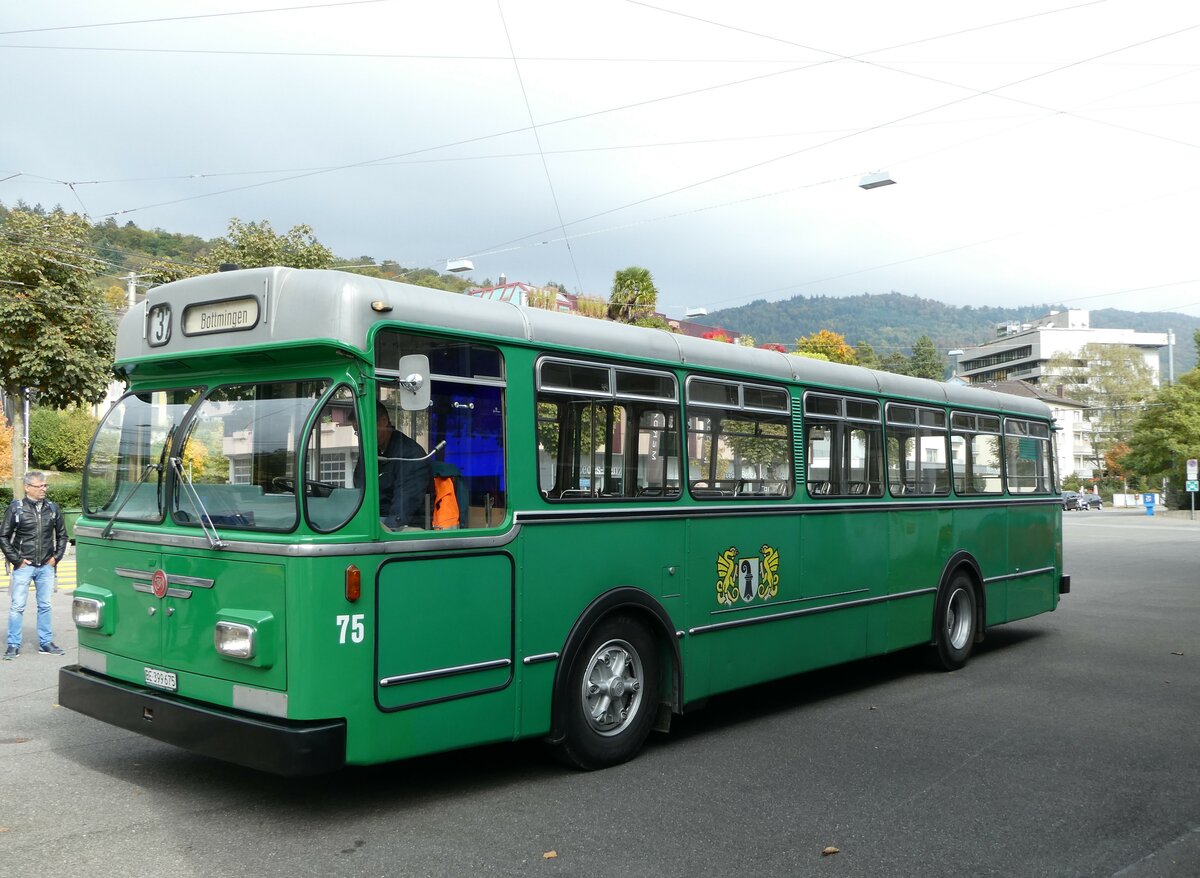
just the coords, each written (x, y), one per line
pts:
(210, 531)
(112, 519)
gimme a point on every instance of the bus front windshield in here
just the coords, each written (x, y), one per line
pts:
(240, 456)
(127, 464)
(228, 458)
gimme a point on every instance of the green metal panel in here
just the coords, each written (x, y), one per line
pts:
(135, 631)
(247, 585)
(445, 629)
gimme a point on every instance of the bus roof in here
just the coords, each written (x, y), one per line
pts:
(260, 307)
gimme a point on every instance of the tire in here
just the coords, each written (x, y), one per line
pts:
(611, 692)
(955, 623)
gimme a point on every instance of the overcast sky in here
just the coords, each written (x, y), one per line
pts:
(1043, 152)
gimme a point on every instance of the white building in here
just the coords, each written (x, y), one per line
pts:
(1073, 430)
(1022, 350)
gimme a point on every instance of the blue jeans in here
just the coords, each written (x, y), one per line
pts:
(42, 577)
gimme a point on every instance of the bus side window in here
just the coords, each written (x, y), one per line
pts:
(333, 482)
(606, 432)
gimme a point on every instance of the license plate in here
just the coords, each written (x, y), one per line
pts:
(161, 679)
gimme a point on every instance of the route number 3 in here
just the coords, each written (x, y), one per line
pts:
(352, 625)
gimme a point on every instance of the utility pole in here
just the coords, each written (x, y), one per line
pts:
(130, 290)
(1171, 357)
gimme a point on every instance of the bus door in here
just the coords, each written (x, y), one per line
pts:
(446, 637)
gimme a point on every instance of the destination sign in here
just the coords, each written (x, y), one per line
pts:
(228, 315)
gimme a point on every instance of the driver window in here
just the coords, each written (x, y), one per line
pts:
(333, 474)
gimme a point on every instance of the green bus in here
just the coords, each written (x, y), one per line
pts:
(606, 524)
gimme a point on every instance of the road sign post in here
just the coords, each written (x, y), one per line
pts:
(1193, 482)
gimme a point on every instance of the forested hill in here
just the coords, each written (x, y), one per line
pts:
(891, 323)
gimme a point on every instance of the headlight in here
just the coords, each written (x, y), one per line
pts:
(87, 612)
(234, 640)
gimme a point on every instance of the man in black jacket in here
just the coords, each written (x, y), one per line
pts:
(33, 537)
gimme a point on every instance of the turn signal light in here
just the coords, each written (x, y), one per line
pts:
(353, 583)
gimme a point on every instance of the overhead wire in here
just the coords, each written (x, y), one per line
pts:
(123, 23)
(765, 162)
(538, 139)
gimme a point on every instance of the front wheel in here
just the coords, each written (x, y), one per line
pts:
(611, 692)
(955, 620)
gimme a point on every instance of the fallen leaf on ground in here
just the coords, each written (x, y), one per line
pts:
(550, 855)
(829, 851)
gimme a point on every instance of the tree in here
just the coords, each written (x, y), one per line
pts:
(59, 439)
(865, 355)
(6, 458)
(896, 363)
(58, 336)
(1114, 381)
(927, 361)
(634, 295)
(1167, 434)
(251, 245)
(830, 345)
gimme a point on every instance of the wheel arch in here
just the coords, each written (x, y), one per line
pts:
(638, 603)
(960, 561)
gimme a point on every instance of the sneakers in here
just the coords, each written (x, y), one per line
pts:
(11, 653)
(50, 648)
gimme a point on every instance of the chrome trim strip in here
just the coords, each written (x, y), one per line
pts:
(445, 672)
(1021, 574)
(191, 581)
(130, 573)
(145, 589)
(808, 600)
(784, 506)
(810, 611)
(310, 550)
(178, 593)
(538, 659)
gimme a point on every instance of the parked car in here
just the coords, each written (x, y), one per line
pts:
(1070, 500)
(1091, 501)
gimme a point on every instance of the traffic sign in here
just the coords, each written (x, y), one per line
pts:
(1193, 485)
(1193, 470)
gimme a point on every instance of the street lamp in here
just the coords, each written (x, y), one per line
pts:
(458, 266)
(876, 179)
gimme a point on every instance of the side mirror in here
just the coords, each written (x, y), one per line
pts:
(414, 382)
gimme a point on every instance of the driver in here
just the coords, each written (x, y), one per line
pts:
(404, 477)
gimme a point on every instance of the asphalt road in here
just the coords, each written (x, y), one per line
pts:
(1070, 745)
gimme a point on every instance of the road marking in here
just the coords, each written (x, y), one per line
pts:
(64, 579)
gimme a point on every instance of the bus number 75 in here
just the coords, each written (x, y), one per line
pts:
(353, 624)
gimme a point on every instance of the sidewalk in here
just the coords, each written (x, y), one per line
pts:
(65, 580)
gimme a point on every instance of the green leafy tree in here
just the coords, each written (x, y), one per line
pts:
(866, 356)
(251, 245)
(1167, 434)
(1114, 381)
(57, 338)
(634, 296)
(927, 361)
(895, 362)
(59, 438)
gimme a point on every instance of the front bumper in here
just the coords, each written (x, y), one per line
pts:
(286, 747)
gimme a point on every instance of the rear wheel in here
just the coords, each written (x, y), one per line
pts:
(611, 692)
(955, 621)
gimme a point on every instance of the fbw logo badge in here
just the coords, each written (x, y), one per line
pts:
(747, 578)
